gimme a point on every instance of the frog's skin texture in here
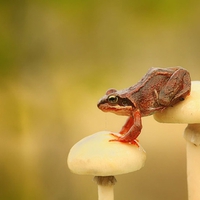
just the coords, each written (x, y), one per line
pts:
(158, 89)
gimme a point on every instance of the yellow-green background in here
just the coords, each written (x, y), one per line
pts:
(57, 58)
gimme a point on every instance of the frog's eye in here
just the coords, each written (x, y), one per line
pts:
(113, 99)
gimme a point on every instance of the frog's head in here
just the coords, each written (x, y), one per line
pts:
(116, 102)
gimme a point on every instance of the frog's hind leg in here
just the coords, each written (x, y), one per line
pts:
(176, 89)
(186, 87)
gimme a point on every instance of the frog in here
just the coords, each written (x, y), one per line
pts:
(159, 89)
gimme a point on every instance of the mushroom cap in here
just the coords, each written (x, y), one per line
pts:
(187, 111)
(97, 155)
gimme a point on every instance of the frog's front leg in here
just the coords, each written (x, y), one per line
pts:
(129, 123)
(130, 133)
(176, 89)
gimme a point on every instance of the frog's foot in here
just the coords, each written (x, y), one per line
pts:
(125, 139)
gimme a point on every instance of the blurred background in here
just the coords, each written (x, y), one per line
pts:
(57, 59)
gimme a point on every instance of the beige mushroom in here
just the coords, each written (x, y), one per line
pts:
(98, 156)
(188, 112)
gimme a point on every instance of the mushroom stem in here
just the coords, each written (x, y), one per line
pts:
(192, 136)
(188, 111)
(105, 187)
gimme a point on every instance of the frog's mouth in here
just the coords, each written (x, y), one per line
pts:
(118, 110)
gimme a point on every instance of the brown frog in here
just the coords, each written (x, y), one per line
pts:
(158, 89)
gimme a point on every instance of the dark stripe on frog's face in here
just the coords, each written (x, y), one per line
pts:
(116, 100)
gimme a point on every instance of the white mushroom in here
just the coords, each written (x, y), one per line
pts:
(188, 112)
(98, 156)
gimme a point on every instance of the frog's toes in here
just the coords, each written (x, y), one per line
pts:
(123, 139)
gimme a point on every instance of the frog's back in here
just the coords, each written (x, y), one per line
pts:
(155, 77)
(145, 92)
